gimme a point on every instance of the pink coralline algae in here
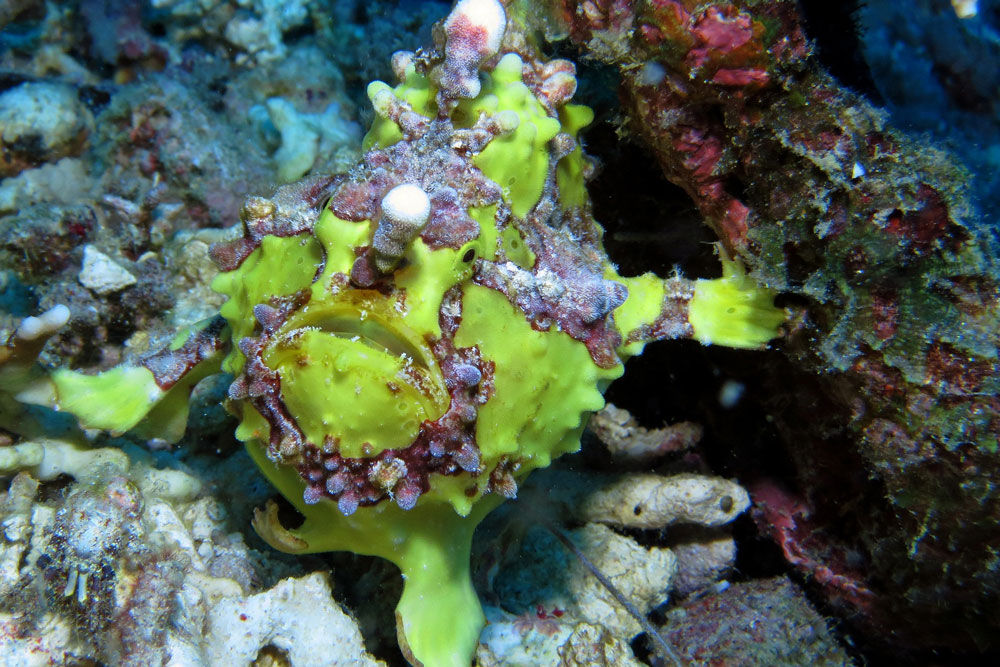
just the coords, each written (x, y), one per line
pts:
(788, 520)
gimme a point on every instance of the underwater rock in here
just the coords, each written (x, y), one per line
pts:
(40, 122)
(702, 562)
(889, 393)
(64, 182)
(761, 622)
(102, 274)
(545, 575)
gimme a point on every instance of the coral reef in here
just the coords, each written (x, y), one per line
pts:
(387, 328)
(129, 564)
(133, 134)
(542, 593)
(893, 269)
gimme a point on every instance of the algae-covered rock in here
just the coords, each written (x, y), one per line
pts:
(40, 122)
(762, 622)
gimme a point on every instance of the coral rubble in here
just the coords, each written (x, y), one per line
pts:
(129, 564)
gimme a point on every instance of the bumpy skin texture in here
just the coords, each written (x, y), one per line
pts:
(396, 409)
(396, 372)
(809, 184)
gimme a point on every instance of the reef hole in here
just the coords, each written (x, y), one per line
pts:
(650, 224)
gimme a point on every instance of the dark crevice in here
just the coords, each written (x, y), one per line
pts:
(54, 490)
(649, 223)
(834, 29)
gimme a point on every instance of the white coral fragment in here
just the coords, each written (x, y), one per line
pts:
(102, 274)
(297, 616)
(32, 328)
(965, 9)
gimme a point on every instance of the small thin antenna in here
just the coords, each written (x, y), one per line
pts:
(663, 648)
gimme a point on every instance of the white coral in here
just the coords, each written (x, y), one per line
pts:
(217, 620)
